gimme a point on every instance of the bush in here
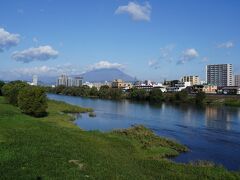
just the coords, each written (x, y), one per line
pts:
(33, 101)
(200, 96)
(11, 91)
(155, 95)
(181, 96)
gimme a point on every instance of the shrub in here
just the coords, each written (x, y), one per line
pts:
(200, 96)
(155, 95)
(181, 96)
(33, 101)
(11, 91)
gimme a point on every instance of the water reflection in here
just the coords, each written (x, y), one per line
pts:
(219, 118)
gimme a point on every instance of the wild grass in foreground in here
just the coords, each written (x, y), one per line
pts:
(54, 148)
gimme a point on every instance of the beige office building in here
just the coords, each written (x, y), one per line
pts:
(194, 80)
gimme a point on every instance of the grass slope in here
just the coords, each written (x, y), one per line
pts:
(54, 148)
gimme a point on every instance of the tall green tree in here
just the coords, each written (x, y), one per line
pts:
(11, 91)
(33, 101)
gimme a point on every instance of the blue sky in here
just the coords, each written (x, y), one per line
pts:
(155, 39)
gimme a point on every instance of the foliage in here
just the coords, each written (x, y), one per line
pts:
(115, 93)
(11, 91)
(200, 97)
(93, 92)
(32, 100)
(232, 102)
(138, 94)
(104, 92)
(1, 85)
(155, 95)
(181, 96)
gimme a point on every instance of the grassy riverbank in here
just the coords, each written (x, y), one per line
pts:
(54, 148)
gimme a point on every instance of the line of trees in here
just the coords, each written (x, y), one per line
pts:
(31, 100)
(105, 92)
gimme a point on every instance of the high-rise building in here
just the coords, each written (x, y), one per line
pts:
(237, 80)
(69, 81)
(62, 80)
(220, 74)
(78, 81)
(194, 80)
(35, 80)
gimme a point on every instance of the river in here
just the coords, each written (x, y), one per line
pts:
(211, 133)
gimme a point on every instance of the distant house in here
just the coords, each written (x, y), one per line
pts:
(209, 89)
(178, 87)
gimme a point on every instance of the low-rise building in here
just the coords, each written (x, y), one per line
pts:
(178, 87)
(208, 89)
(230, 90)
(118, 83)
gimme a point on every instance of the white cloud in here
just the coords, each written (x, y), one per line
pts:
(105, 64)
(154, 64)
(165, 56)
(226, 45)
(136, 11)
(46, 70)
(41, 53)
(188, 55)
(8, 40)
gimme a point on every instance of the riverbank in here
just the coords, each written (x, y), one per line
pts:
(154, 96)
(54, 148)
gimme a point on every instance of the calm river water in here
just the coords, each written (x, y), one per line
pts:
(211, 133)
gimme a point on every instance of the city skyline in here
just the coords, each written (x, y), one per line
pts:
(154, 40)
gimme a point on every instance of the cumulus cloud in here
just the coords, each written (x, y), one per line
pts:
(8, 40)
(136, 11)
(41, 53)
(105, 65)
(46, 70)
(226, 45)
(188, 55)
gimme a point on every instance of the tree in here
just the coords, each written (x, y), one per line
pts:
(115, 93)
(138, 94)
(104, 92)
(1, 85)
(93, 91)
(181, 96)
(155, 95)
(32, 100)
(200, 96)
(11, 91)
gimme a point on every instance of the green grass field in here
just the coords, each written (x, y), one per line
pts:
(54, 148)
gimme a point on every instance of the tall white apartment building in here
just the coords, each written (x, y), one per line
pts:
(220, 74)
(194, 80)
